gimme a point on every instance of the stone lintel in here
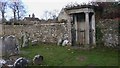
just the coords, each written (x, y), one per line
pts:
(80, 10)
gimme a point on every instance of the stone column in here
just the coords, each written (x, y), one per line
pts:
(75, 17)
(93, 28)
(86, 28)
(69, 29)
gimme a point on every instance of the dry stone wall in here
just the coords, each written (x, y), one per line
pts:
(50, 32)
(109, 29)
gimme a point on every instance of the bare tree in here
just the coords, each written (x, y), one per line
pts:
(51, 14)
(46, 15)
(3, 6)
(18, 9)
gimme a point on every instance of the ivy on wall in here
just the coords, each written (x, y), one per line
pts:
(99, 35)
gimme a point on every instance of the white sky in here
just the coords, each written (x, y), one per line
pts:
(39, 6)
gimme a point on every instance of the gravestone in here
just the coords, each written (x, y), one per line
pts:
(25, 40)
(10, 46)
(20, 63)
(65, 42)
(38, 59)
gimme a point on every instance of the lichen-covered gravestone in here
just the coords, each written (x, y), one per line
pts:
(25, 39)
(10, 46)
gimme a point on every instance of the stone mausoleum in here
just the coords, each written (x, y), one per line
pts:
(81, 23)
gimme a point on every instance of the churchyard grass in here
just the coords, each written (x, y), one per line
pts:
(55, 55)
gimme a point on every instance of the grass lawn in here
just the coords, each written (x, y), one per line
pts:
(66, 56)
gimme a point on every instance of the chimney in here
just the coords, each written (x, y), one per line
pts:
(33, 15)
(29, 15)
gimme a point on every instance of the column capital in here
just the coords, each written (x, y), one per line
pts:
(86, 12)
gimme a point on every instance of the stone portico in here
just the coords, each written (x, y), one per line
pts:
(81, 23)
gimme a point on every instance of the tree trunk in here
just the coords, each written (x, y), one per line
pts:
(18, 15)
(3, 17)
(14, 16)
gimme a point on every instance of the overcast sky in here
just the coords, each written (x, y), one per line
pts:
(39, 6)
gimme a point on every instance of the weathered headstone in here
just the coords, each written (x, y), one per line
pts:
(38, 59)
(10, 46)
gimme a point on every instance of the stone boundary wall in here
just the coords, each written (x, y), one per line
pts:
(49, 32)
(52, 32)
(109, 29)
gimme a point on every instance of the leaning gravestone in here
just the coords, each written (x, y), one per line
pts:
(10, 46)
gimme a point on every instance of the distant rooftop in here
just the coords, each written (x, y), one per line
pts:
(33, 18)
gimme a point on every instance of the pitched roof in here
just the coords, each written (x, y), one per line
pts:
(31, 19)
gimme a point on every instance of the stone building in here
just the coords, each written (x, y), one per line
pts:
(31, 20)
(81, 24)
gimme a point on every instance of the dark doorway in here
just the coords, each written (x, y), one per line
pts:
(90, 29)
(78, 29)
